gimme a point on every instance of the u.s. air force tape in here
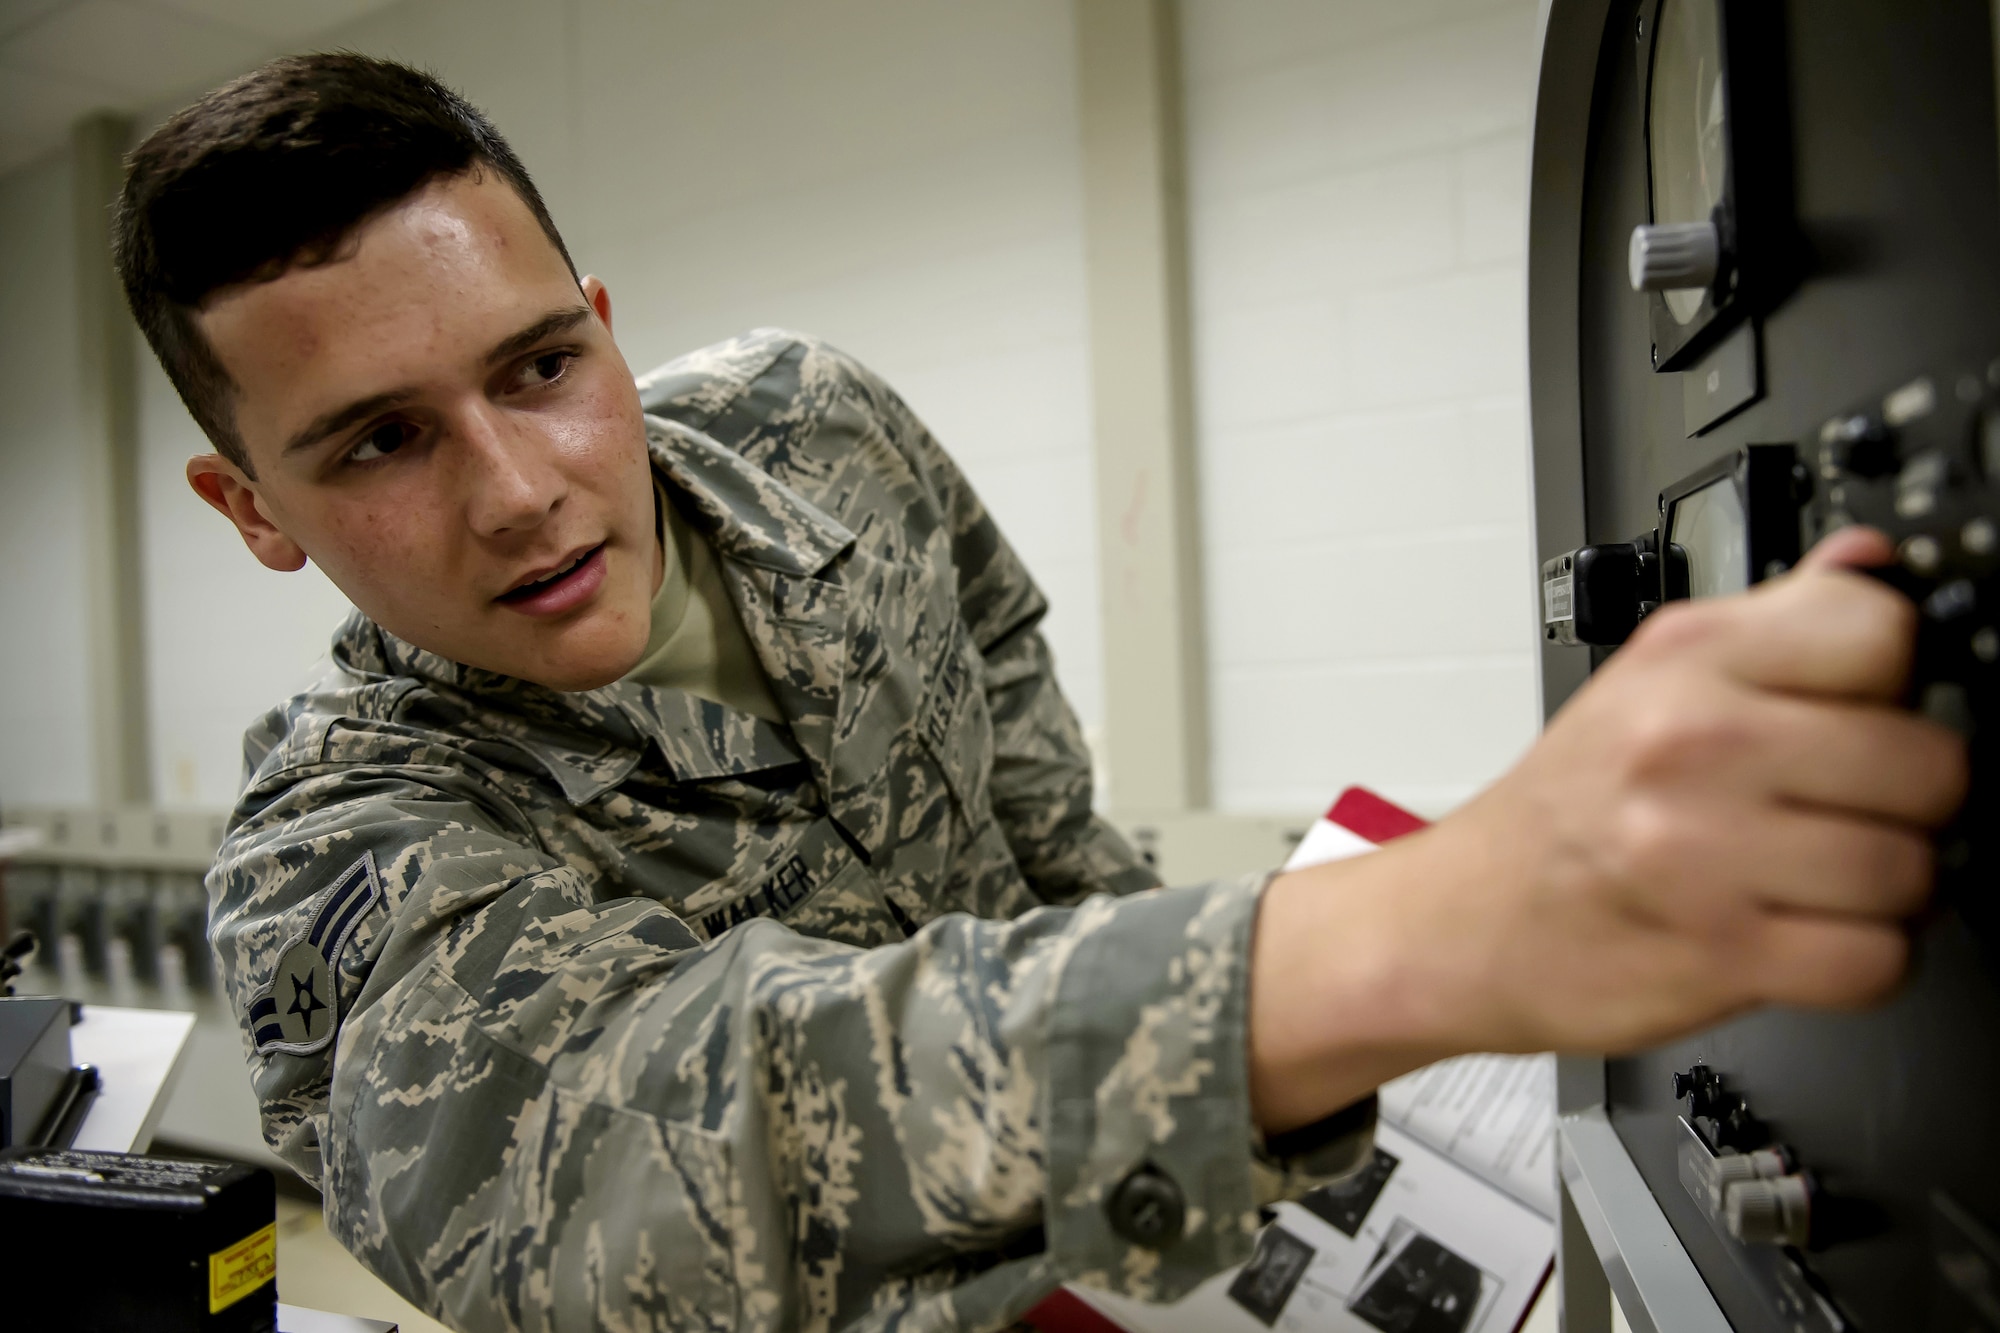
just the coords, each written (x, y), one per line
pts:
(298, 1009)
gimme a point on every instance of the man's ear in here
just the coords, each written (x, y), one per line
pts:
(221, 483)
(599, 296)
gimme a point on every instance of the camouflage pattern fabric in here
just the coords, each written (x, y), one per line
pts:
(645, 1013)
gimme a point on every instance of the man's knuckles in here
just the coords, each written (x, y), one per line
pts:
(1686, 729)
(1672, 862)
(1678, 628)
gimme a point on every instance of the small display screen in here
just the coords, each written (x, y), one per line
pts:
(1707, 529)
(1685, 124)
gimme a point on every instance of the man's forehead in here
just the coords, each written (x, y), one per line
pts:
(425, 287)
(471, 237)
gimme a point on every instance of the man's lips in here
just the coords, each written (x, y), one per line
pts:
(569, 586)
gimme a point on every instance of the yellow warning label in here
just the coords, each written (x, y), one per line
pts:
(242, 1268)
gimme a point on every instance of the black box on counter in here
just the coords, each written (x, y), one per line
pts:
(99, 1242)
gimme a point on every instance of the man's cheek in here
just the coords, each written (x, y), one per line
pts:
(595, 442)
(401, 559)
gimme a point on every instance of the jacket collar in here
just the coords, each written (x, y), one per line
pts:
(748, 514)
(775, 544)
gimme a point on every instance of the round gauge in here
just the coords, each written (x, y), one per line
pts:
(1685, 124)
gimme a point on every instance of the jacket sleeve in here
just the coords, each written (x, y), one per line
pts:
(543, 1109)
(1041, 785)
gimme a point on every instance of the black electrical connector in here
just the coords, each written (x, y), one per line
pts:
(1599, 594)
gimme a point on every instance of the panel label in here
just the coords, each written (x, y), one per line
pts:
(1556, 597)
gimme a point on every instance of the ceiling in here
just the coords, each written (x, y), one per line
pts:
(62, 58)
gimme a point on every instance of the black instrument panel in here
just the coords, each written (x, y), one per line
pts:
(1879, 270)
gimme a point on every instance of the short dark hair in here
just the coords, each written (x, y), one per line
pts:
(273, 171)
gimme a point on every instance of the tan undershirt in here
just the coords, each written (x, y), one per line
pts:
(698, 642)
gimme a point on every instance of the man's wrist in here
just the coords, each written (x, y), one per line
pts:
(1351, 983)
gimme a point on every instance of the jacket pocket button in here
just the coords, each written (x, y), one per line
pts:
(1147, 1208)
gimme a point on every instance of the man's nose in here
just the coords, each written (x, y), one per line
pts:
(512, 478)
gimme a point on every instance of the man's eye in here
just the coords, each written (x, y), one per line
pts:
(380, 442)
(547, 368)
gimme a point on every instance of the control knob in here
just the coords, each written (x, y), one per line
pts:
(1857, 444)
(1674, 256)
(1769, 1212)
(1735, 1168)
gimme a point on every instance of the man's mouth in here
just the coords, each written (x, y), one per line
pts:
(561, 588)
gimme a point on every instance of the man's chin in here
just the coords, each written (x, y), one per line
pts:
(569, 684)
(568, 667)
(571, 677)
(591, 651)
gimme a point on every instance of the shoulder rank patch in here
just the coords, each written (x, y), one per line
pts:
(298, 1009)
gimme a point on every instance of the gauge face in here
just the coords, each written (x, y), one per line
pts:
(1709, 532)
(1685, 124)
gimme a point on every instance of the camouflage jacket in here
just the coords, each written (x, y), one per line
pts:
(626, 1010)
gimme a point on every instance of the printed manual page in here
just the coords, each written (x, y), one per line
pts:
(1491, 1114)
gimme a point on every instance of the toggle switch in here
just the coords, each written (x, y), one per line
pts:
(1736, 1127)
(1701, 1087)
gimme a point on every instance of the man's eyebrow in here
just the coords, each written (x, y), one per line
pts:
(331, 423)
(556, 321)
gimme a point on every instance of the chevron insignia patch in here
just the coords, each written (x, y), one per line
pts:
(298, 1009)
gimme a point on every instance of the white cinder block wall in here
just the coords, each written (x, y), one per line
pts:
(1357, 215)
(44, 691)
(898, 176)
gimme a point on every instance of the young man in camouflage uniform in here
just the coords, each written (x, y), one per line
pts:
(681, 906)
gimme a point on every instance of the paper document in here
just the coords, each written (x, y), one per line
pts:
(1492, 1114)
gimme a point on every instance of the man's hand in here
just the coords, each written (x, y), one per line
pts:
(1733, 812)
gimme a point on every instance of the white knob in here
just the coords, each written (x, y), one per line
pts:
(1769, 1212)
(1735, 1168)
(1674, 256)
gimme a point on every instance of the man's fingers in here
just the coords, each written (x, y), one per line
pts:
(1822, 631)
(1708, 868)
(1841, 867)
(1850, 548)
(1826, 962)
(1870, 759)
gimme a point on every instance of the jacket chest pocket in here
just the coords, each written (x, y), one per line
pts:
(848, 908)
(954, 727)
